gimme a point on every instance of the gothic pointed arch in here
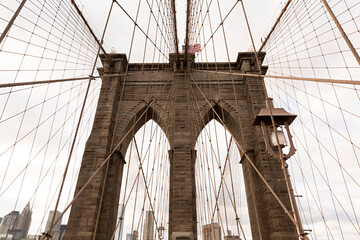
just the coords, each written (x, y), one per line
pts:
(135, 119)
(224, 114)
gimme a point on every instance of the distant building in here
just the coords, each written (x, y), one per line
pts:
(58, 224)
(62, 231)
(33, 237)
(8, 223)
(1, 219)
(6, 237)
(135, 235)
(206, 232)
(229, 236)
(148, 233)
(120, 229)
(132, 236)
(211, 231)
(22, 225)
(56, 230)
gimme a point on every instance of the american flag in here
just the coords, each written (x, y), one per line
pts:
(193, 48)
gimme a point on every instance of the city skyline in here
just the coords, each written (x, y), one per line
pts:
(16, 225)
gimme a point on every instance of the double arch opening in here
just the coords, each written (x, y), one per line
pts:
(143, 125)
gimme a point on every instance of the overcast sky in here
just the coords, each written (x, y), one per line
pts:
(326, 134)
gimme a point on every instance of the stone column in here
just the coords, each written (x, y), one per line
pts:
(84, 214)
(267, 217)
(182, 214)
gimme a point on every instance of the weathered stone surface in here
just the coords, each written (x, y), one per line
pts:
(182, 112)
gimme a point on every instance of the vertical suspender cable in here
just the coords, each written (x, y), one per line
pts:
(176, 40)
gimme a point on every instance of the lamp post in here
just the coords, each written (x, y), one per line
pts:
(272, 121)
(161, 230)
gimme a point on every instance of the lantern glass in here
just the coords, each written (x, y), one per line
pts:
(281, 137)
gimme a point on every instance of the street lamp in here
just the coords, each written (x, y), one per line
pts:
(161, 231)
(276, 138)
(273, 120)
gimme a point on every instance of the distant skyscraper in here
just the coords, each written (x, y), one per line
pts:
(135, 235)
(33, 237)
(229, 236)
(148, 233)
(132, 236)
(55, 232)
(206, 231)
(211, 231)
(62, 231)
(22, 225)
(120, 229)
(8, 222)
(58, 224)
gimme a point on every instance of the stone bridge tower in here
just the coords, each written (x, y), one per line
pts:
(182, 122)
